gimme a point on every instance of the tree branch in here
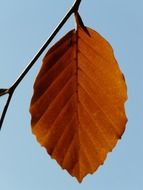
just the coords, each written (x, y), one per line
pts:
(11, 90)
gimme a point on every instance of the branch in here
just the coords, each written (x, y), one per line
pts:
(3, 92)
(11, 90)
(76, 5)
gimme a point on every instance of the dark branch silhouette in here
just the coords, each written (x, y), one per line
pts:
(10, 91)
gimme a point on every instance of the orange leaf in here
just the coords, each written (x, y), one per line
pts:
(78, 104)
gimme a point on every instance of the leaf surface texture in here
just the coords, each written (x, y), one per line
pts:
(77, 108)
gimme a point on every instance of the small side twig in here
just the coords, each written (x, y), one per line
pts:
(3, 91)
(5, 109)
(11, 90)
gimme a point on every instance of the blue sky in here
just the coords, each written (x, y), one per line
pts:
(24, 26)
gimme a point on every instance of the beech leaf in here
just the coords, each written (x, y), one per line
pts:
(77, 108)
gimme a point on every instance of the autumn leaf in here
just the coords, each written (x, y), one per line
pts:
(77, 108)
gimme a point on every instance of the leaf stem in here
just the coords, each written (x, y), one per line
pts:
(11, 90)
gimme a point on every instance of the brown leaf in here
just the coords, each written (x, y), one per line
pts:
(78, 104)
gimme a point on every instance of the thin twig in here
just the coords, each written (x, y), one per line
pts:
(11, 90)
(5, 109)
(3, 92)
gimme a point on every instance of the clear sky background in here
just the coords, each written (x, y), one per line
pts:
(24, 26)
